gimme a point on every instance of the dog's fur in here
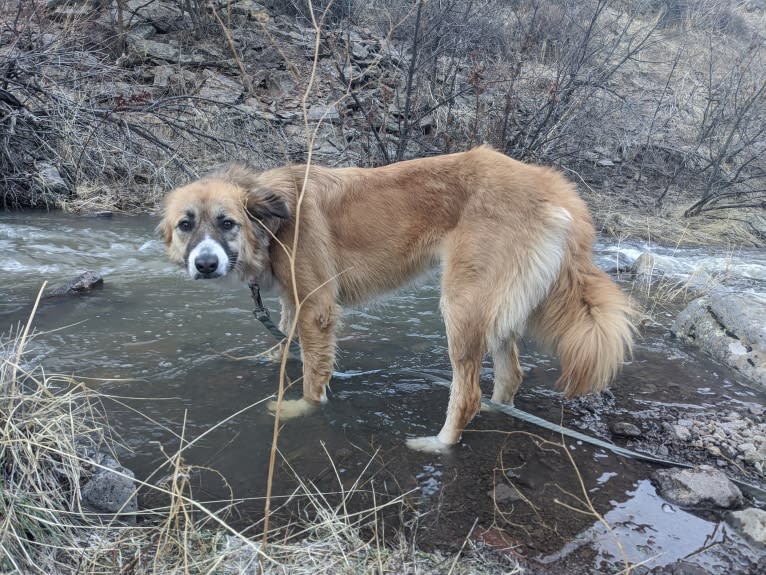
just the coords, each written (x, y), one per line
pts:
(514, 241)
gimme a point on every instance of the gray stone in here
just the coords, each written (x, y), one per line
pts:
(220, 88)
(252, 10)
(164, 51)
(359, 52)
(324, 113)
(162, 16)
(698, 487)
(751, 522)
(625, 429)
(85, 282)
(111, 488)
(71, 9)
(681, 433)
(50, 179)
(504, 492)
(644, 267)
(731, 327)
(681, 568)
(175, 80)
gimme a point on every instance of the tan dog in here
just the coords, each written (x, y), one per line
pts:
(514, 241)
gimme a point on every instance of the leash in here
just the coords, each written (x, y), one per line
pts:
(754, 490)
(262, 314)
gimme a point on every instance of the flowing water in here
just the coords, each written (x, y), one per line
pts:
(180, 358)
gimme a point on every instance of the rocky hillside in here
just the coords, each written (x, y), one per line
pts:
(656, 108)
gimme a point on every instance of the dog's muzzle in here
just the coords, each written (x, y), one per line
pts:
(208, 260)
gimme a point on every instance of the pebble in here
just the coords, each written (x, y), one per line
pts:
(625, 429)
(681, 433)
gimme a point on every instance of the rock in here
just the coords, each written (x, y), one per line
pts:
(165, 52)
(220, 88)
(174, 80)
(504, 492)
(111, 488)
(162, 16)
(681, 433)
(248, 8)
(324, 113)
(697, 487)
(85, 282)
(729, 326)
(680, 568)
(714, 450)
(751, 522)
(359, 52)
(625, 429)
(70, 9)
(644, 267)
(50, 179)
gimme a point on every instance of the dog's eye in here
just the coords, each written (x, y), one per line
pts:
(185, 225)
(228, 224)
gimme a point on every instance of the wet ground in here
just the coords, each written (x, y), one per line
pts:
(176, 358)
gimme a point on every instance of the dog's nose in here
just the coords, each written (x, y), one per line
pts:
(206, 263)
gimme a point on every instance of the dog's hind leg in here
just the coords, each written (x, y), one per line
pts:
(466, 329)
(508, 372)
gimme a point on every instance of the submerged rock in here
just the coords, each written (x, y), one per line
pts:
(729, 326)
(699, 487)
(85, 282)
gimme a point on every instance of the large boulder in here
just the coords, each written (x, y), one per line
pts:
(729, 326)
(702, 486)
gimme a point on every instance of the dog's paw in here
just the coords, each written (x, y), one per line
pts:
(430, 444)
(274, 355)
(291, 408)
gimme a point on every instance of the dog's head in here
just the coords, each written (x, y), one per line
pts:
(223, 222)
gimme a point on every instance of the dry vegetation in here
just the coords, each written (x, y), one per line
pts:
(656, 107)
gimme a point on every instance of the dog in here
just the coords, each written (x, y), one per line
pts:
(514, 241)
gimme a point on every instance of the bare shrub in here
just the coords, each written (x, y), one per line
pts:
(67, 105)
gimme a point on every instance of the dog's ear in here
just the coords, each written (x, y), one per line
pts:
(268, 208)
(164, 230)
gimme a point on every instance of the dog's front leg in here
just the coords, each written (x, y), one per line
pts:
(316, 327)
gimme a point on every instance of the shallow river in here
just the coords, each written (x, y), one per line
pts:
(178, 356)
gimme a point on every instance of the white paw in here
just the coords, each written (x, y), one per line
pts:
(275, 354)
(291, 408)
(430, 444)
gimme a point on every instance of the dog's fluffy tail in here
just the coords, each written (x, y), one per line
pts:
(587, 320)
